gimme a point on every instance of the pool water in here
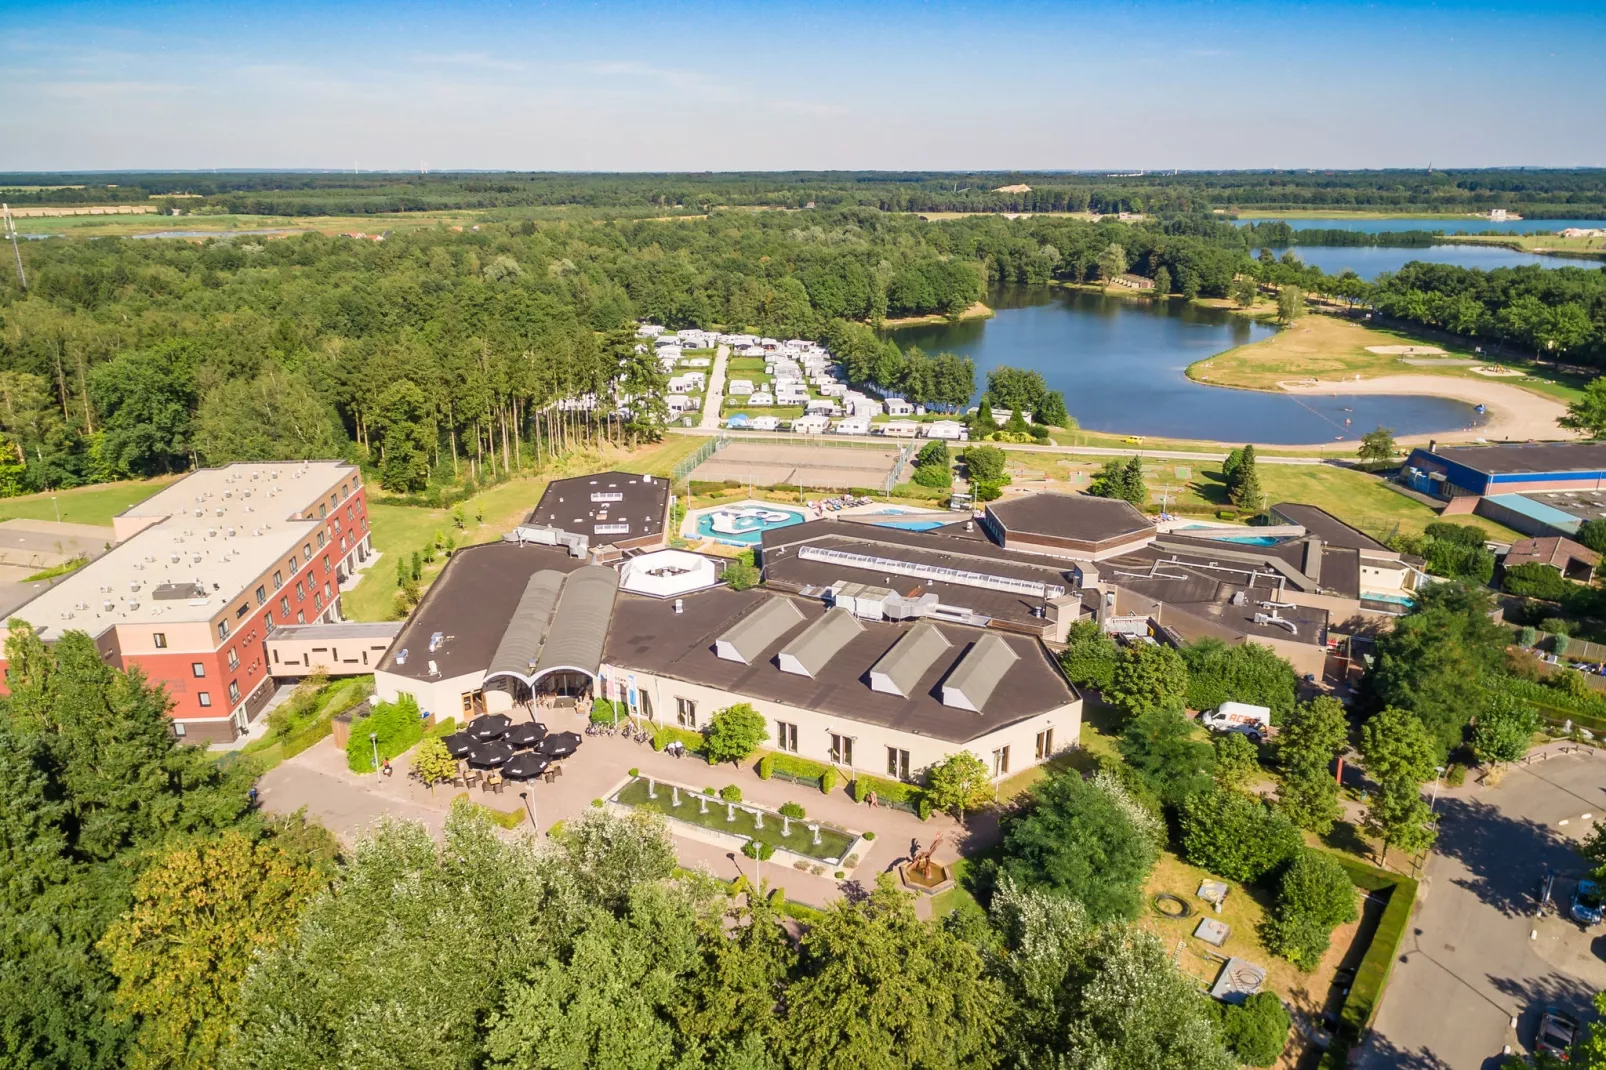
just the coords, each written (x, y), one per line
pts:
(1390, 597)
(1203, 531)
(911, 525)
(746, 526)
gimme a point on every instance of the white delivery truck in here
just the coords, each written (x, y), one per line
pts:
(1252, 721)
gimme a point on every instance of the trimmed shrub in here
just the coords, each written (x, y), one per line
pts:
(1255, 1031)
(869, 836)
(799, 769)
(793, 811)
(1314, 897)
(731, 793)
(827, 781)
(602, 711)
(766, 767)
(923, 805)
(634, 771)
(664, 735)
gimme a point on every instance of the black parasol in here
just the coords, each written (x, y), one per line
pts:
(493, 727)
(526, 734)
(489, 755)
(458, 744)
(560, 745)
(526, 766)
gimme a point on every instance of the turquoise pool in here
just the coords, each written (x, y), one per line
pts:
(911, 525)
(745, 525)
(1203, 531)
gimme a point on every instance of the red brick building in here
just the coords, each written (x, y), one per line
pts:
(204, 571)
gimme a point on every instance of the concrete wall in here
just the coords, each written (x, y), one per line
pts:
(439, 698)
(304, 655)
(870, 742)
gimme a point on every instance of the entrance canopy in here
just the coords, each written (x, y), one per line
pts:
(560, 625)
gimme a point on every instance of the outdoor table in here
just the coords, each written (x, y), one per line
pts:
(527, 734)
(493, 727)
(526, 766)
(560, 745)
(458, 744)
(489, 755)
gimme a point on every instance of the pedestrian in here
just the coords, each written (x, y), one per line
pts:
(251, 797)
(385, 767)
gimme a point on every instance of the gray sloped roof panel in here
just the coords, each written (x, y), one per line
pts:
(813, 648)
(756, 632)
(527, 628)
(900, 669)
(579, 628)
(978, 673)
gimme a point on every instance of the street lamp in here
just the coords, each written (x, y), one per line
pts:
(57, 506)
(1438, 774)
(373, 738)
(529, 808)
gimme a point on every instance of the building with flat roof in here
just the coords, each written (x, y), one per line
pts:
(201, 574)
(619, 509)
(1538, 488)
(1070, 525)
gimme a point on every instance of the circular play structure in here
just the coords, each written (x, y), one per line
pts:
(1171, 906)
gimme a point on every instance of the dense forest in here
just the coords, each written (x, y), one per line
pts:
(1538, 193)
(442, 354)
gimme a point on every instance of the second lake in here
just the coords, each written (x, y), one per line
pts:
(1120, 364)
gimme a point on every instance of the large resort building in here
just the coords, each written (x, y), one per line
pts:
(203, 573)
(873, 647)
(1542, 489)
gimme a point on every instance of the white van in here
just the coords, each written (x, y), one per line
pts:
(1252, 721)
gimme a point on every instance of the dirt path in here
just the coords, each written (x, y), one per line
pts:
(1514, 413)
(716, 390)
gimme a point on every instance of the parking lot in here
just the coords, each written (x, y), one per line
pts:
(1476, 956)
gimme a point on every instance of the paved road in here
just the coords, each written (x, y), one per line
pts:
(716, 391)
(1469, 963)
(1095, 451)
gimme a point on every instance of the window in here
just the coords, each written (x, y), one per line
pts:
(293, 564)
(222, 629)
(301, 617)
(198, 668)
(179, 730)
(262, 595)
(686, 712)
(351, 513)
(320, 539)
(159, 640)
(204, 697)
(786, 736)
(1045, 743)
(1000, 761)
(323, 510)
(301, 591)
(234, 659)
(343, 490)
(897, 763)
(245, 607)
(234, 691)
(317, 601)
(306, 551)
(841, 749)
(327, 591)
(326, 566)
(284, 605)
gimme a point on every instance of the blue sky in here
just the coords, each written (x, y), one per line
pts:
(766, 86)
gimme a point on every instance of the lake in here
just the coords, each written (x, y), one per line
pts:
(1120, 363)
(1368, 260)
(1452, 224)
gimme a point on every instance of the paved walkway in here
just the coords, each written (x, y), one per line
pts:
(716, 391)
(349, 804)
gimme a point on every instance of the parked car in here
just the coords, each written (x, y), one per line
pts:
(1252, 721)
(1557, 1031)
(1588, 903)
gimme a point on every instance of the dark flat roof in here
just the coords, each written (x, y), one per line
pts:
(1325, 526)
(939, 540)
(1583, 504)
(648, 635)
(470, 604)
(568, 504)
(1508, 458)
(1206, 594)
(1070, 516)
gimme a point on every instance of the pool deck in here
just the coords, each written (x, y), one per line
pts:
(878, 510)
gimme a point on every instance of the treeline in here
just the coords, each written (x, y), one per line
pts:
(1282, 234)
(943, 380)
(1537, 193)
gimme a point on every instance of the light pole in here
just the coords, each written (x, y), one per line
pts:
(57, 506)
(1438, 774)
(529, 808)
(373, 738)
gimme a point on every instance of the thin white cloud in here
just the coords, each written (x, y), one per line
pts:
(480, 60)
(809, 107)
(90, 90)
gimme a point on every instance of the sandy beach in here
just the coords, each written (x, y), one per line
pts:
(1514, 413)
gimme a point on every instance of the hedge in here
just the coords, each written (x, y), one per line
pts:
(664, 735)
(602, 711)
(399, 725)
(797, 769)
(1366, 991)
(890, 791)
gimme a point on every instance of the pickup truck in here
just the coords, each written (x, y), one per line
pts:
(1252, 721)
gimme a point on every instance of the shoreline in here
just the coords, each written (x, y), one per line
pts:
(1514, 413)
(977, 311)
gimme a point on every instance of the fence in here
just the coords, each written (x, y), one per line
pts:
(705, 451)
(897, 468)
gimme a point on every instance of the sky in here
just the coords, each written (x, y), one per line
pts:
(876, 84)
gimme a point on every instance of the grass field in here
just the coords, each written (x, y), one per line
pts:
(1357, 498)
(1586, 248)
(1324, 347)
(83, 505)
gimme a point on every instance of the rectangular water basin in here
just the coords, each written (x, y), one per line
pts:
(832, 849)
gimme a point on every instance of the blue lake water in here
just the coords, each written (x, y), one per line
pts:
(1119, 362)
(1449, 224)
(1368, 261)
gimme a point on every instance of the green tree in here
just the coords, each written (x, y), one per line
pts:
(1244, 291)
(1164, 749)
(404, 422)
(1309, 798)
(1588, 412)
(1592, 533)
(1394, 745)
(1112, 261)
(1133, 489)
(880, 989)
(1398, 817)
(985, 464)
(1378, 445)
(959, 783)
(432, 762)
(1084, 839)
(1256, 1030)
(1235, 836)
(1089, 656)
(934, 452)
(740, 572)
(277, 416)
(1246, 492)
(1162, 281)
(1242, 672)
(1290, 304)
(1503, 730)
(200, 914)
(734, 733)
(1314, 897)
(1313, 734)
(1147, 677)
(1236, 762)
(145, 398)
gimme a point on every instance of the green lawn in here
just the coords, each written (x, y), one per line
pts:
(83, 505)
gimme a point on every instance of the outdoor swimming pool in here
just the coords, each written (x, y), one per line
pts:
(1203, 531)
(910, 525)
(745, 525)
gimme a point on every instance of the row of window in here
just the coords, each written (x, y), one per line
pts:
(841, 749)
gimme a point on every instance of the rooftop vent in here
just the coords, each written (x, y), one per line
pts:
(171, 591)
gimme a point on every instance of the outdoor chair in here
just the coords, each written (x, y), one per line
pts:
(493, 782)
